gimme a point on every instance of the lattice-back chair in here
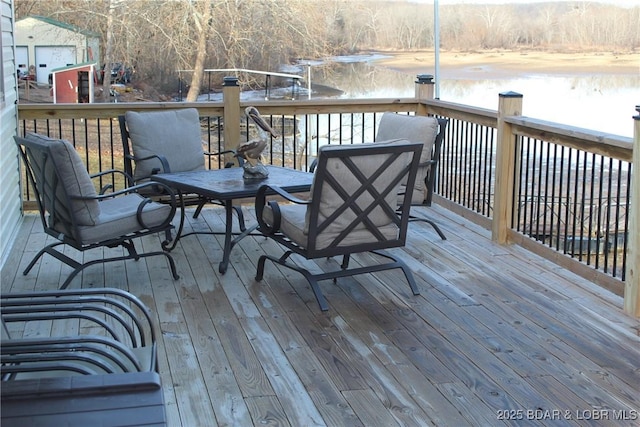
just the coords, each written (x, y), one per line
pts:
(430, 132)
(164, 142)
(74, 213)
(352, 209)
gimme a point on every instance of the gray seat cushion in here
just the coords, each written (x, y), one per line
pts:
(415, 129)
(293, 226)
(118, 217)
(173, 134)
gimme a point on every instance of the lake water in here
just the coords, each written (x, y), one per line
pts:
(598, 101)
(601, 102)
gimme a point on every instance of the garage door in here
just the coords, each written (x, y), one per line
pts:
(52, 57)
(22, 59)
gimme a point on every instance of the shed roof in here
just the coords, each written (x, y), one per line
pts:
(64, 25)
(71, 67)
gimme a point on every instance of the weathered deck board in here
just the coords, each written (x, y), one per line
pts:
(495, 328)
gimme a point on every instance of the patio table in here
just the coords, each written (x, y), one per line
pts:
(227, 185)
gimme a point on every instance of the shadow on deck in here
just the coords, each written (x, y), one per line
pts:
(497, 334)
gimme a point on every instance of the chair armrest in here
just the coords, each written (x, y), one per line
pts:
(261, 201)
(220, 153)
(112, 172)
(429, 164)
(38, 354)
(163, 160)
(102, 304)
(133, 189)
(264, 190)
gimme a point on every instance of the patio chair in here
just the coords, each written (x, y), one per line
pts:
(122, 336)
(76, 215)
(352, 209)
(428, 131)
(102, 367)
(164, 142)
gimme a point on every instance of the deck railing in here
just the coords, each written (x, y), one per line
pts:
(562, 192)
(570, 189)
(574, 199)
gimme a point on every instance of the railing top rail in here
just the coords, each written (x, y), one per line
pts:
(481, 116)
(606, 144)
(323, 106)
(618, 147)
(245, 70)
(107, 110)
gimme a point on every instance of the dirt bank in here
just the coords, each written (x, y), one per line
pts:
(461, 65)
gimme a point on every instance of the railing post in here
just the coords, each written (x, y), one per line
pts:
(509, 104)
(424, 89)
(425, 86)
(231, 115)
(632, 276)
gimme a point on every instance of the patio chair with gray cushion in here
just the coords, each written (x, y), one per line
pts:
(430, 132)
(352, 209)
(76, 215)
(164, 142)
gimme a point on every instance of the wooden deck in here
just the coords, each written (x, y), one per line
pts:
(497, 334)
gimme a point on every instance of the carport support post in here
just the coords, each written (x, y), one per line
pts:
(509, 104)
(231, 116)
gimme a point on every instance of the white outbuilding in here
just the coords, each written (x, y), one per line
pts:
(44, 44)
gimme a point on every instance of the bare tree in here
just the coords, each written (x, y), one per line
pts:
(162, 37)
(108, 51)
(201, 19)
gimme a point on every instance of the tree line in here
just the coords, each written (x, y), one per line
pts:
(161, 37)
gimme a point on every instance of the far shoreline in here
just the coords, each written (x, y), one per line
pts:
(495, 64)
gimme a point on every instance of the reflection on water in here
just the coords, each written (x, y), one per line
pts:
(604, 103)
(361, 80)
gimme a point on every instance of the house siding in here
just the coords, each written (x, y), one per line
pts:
(10, 199)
